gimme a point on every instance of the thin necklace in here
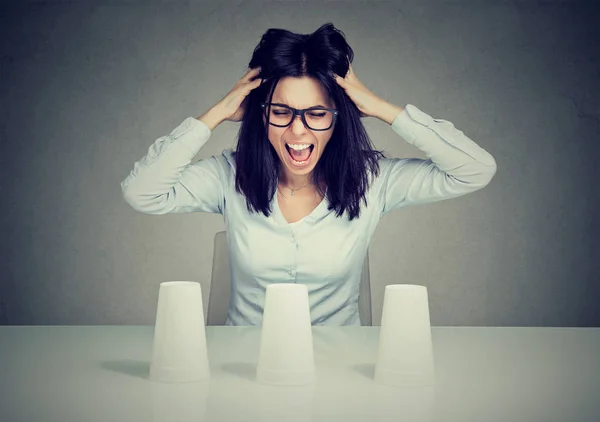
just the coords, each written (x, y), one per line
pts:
(294, 190)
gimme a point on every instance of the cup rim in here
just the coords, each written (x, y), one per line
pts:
(405, 286)
(179, 283)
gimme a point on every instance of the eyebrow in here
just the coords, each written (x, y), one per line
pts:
(312, 106)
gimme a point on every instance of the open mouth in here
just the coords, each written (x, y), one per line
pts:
(299, 153)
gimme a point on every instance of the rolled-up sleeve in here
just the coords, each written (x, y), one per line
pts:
(455, 166)
(164, 181)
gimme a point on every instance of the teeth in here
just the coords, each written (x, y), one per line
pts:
(298, 147)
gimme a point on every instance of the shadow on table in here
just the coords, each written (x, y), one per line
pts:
(141, 369)
(366, 369)
(135, 368)
(241, 370)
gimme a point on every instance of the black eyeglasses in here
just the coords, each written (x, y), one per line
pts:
(314, 118)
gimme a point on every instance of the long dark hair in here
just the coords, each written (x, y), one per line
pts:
(349, 157)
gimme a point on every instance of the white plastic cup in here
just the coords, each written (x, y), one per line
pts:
(286, 346)
(179, 351)
(405, 352)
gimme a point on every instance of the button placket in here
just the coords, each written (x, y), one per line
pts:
(292, 270)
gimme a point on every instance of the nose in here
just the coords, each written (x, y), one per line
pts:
(297, 125)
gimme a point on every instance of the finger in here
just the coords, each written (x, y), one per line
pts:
(351, 73)
(251, 73)
(349, 64)
(353, 78)
(253, 85)
(248, 72)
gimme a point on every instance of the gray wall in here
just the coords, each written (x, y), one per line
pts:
(87, 87)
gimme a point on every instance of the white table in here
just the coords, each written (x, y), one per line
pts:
(99, 373)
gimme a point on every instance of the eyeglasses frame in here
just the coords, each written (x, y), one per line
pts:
(297, 112)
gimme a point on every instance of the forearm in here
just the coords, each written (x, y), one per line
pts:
(448, 147)
(153, 177)
(212, 118)
(387, 112)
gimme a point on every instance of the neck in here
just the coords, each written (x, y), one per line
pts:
(293, 181)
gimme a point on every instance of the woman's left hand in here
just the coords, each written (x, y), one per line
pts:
(366, 102)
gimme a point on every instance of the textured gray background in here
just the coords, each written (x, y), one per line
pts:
(87, 87)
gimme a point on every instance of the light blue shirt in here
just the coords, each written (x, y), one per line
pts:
(322, 251)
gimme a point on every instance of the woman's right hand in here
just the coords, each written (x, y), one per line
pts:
(234, 103)
(232, 106)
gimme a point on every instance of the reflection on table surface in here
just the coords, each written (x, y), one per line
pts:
(79, 373)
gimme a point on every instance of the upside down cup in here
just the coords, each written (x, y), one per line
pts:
(179, 351)
(405, 352)
(286, 346)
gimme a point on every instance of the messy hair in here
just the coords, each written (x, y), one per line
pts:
(348, 158)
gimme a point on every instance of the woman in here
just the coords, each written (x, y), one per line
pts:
(303, 191)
